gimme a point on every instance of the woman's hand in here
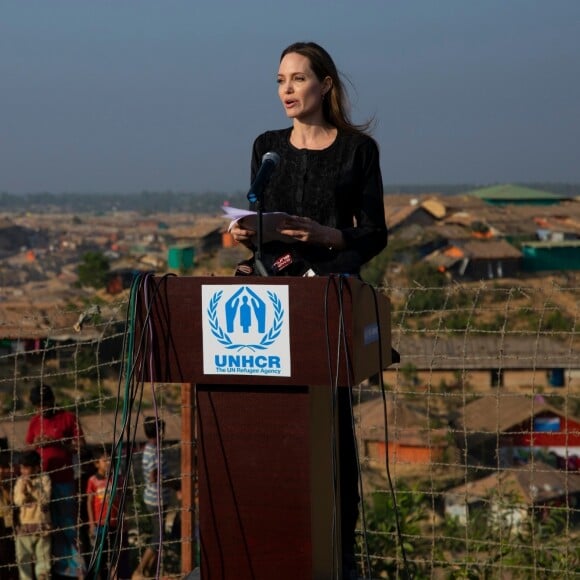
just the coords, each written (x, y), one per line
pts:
(304, 229)
(242, 235)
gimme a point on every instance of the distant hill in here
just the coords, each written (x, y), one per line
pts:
(211, 202)
(146, 202)
(560, 189)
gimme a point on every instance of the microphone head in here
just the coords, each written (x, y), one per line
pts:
(270, 161)
(271, 156)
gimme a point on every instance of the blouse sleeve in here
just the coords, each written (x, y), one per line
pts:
(256, 157)
(369, 236)
(256, 162)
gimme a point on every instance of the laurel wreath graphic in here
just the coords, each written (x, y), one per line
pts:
(224, 338)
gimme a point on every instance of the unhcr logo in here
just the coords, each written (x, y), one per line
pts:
(244, 322)
(245, 311)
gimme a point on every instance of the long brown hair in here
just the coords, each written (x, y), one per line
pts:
(335, 105)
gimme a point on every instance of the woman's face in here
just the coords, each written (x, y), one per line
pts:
(299, 88)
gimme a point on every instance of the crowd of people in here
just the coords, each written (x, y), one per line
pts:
(55, 525)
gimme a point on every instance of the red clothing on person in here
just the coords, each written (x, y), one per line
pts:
(99, 488)
(57, 459)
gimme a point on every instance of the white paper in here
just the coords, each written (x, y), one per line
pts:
(249, 220)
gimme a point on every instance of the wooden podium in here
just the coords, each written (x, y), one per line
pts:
(267, 446)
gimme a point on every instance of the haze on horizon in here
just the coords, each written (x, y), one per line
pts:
(132, 96)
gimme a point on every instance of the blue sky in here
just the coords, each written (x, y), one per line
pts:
(125, 96)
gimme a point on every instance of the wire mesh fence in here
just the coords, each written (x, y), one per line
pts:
(469, 447)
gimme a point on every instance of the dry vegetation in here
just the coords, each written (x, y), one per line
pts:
(541, 303)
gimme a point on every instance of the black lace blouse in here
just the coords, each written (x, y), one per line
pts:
(340, 186)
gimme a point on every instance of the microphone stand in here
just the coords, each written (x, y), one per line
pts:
(261, 269)
(269, 162)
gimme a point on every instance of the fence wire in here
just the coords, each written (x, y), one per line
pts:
(479, 425)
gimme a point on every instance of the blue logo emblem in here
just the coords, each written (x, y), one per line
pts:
(245, 313)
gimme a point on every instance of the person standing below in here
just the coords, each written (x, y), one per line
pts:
(8, 569)
(104, 516)
(156, 494)
(32, 495)
(57, 436)
(329, 182)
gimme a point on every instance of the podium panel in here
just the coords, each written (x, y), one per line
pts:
(267, 446)
(255, 482)
(323, 310)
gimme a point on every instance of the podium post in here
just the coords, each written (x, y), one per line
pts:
(265, 357)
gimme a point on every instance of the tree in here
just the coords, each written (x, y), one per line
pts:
(374, 271)
(93, 270)
(382, 541)
(430, 293)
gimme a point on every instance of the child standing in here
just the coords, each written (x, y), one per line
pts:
(156, 495)
(32, 496)
(8, 569)
(57, 435)
(105, 521)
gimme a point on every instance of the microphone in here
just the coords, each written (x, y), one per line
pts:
(270, 161)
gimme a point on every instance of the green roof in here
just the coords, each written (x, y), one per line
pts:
(552, 244)
(509, 192)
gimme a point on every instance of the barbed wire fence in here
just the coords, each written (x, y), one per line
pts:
(479, 427)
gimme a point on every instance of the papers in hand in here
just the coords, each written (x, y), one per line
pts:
(249, 220)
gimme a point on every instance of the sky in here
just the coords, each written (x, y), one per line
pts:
(123, 96)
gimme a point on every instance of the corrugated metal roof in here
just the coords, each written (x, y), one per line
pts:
(408, 424)
(513, 192)
(553, 244)
(468, 350)
(399, 214)
(440, 259)
(490, 250)
(532, 483)
(435, 207)
(449, 231)
(498, 412)
(462, 203)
